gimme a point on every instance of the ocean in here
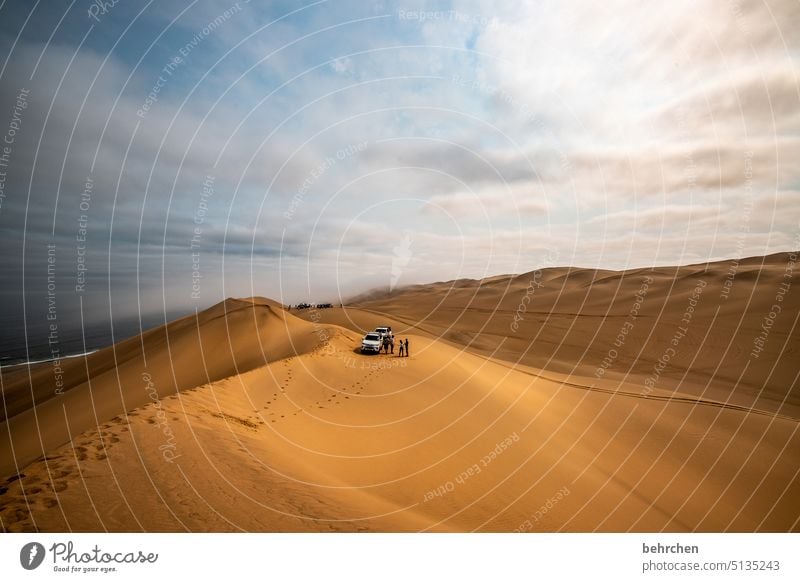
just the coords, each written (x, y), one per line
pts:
(32, 343)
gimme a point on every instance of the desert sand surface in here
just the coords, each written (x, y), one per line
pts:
(522, 407)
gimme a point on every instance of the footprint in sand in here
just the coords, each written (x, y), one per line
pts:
(49, 502)
(57, 486)
(80, 453)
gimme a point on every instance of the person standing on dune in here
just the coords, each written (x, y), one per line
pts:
(400, 349)
(407, 352)
(391, 342)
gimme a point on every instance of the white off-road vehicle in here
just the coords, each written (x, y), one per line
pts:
(372, 342)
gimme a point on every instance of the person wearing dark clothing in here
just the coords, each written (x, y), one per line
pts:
(407, 352)
(400, 353)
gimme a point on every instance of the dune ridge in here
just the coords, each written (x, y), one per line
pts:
(179, 355)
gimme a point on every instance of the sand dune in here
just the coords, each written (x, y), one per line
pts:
(572, 318)
(484, 428)
(232, 337)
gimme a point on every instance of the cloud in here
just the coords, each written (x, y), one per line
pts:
(343, 65)
(509, 200)
(618, 134)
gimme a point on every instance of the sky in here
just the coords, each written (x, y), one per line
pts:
(161, 156)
